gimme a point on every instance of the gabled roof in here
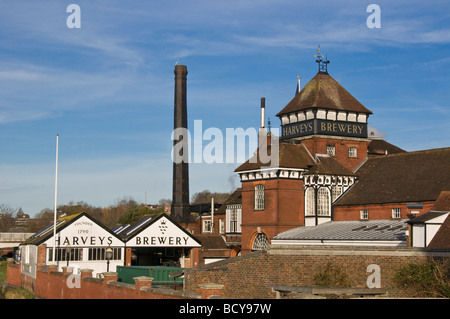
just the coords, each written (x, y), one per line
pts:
(47, 232)
(212, 241)
(290, 156)
(442, 204)
(381, 147)
(400, 178)
(234, 198)
(440, 208)
(328, 166)
(142, 225)
(296, 156)
(129, 230)
(326, 93)
(428, 216)
(61, 223)
(369, 230)
(442, 237)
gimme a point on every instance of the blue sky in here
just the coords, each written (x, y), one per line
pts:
(107, 87)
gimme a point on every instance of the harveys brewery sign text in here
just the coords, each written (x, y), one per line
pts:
(84, 232)
(324, 127)
(163, 233)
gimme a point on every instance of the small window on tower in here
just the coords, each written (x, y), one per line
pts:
(259, 197)
(331, 150)
(352, 152)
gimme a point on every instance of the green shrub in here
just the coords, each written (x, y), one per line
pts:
(427, 279)
(332, 276)
(3, 266)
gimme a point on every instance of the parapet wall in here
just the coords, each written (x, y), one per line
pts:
(51, 284)
(253, 275)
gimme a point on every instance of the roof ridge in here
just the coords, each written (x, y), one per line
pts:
(414, 152)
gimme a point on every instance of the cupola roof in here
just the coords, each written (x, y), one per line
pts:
(324, 92)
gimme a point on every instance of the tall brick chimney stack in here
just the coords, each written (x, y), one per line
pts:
(180, 210)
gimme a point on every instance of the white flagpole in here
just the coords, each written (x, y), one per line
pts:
(56, 196)
(212, 214)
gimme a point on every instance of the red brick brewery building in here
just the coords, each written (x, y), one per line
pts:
(331, 168)
(333, 184)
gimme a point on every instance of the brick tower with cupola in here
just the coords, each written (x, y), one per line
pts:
(327, 119)
(323, 140)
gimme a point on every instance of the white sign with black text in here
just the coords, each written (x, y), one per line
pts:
(163, 233)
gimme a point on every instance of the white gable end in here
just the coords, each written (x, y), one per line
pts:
(84, 232)
(162, 233)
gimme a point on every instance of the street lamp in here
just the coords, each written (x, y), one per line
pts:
(109, 255)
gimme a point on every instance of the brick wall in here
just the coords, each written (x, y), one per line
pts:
(252, 275)
(51, 284)
(376, 211)
(283, 209)
(318, 145)
(13, 273)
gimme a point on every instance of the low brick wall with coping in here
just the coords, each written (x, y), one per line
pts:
(253, 275)
(51, 284)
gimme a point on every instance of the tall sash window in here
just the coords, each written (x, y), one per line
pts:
(259, 197)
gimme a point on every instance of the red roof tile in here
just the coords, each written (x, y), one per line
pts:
(400, 178)
(442, 204)
(442, 237)
(290, 156)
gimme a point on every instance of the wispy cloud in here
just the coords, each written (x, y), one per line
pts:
(52, 90)
(113, 80)
(100, 181)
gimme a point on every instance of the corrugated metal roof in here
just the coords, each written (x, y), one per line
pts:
(370, 230)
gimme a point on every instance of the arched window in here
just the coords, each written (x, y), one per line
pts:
(323, 202)
(310, 202)
(336, 191)
(259, 197)
(261, 242)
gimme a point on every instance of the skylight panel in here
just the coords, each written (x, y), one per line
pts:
(139, 225)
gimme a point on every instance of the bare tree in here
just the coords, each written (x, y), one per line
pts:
(205, 197)
(7, 217)
(112, 214)
(165, 201)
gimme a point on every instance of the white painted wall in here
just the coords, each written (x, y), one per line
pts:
(84, 234)
(418, 238)
(162, 233)
(423, 233)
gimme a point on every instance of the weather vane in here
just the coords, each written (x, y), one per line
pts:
(322, 63)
